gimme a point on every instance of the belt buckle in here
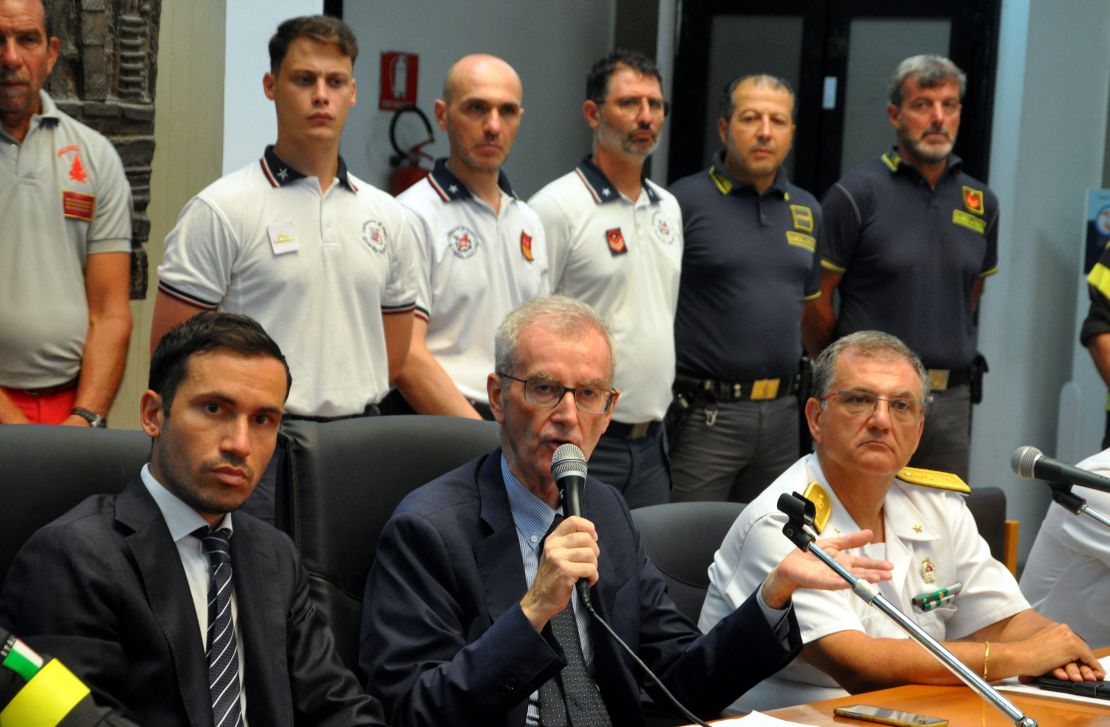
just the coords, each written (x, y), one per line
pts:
(764, 389)
(639, 430)
(938, 379)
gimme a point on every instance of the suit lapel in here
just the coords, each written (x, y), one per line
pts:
(498, 554)
(167, 592)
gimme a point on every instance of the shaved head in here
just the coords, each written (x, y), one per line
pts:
(480, 111)
(469, 69)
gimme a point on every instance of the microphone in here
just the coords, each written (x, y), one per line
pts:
(1030, 463)
(568, 468)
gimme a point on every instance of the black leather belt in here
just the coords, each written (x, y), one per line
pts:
(48, 390)
(758, 390)
(943, 379)
(639, 430)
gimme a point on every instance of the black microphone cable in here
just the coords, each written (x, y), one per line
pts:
(568, 467)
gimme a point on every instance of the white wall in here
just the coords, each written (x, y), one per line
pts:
(249, 123)
(1049, 130)
(551, 45)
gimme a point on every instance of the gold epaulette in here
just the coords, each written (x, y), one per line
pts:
(820, 499)
(935, 479)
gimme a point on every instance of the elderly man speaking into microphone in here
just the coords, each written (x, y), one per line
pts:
(467, 619)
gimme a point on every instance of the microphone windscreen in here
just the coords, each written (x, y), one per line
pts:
(1023, 460)
(567, 460)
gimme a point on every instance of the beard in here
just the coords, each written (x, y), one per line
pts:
(928, 153)
(625, 143)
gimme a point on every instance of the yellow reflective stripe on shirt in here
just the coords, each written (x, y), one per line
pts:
(1099, 279)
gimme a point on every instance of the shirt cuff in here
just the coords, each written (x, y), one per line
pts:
(776, 618)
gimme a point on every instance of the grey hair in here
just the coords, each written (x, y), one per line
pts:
(930, 71)
(555, 313)
(869, 344)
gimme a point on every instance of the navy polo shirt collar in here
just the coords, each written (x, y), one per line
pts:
(448, 186)
(602, 190)
(281, 174)
(727, 183)
(893, 160)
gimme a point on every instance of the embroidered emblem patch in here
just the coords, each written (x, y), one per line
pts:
(616, 241)
(526, 246)
(77, 171)
(78, 206)
(971, 222)
(663, 229)
(802, 240)
(973, 200)
(463, 241)
(803, 217)
(374, 234)
(928, 571)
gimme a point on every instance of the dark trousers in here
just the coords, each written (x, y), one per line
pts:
(946, 442)
(747, 446)
(639, 468)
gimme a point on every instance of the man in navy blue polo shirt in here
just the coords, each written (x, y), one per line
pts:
(748, 267)
(910, 240)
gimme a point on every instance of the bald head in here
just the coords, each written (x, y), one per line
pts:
(480, 111)
(477, 68)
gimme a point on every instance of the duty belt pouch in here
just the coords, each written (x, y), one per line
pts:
(676, 414)
(978, 368)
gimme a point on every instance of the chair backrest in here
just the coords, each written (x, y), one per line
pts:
(988, 507)
(343, 481)
(47, 470)
(681, 538)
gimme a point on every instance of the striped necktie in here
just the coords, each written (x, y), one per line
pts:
(571, 697)
(223, 658)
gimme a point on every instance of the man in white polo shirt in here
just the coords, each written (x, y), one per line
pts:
(480, 250)
(320, 258)
(615, 242)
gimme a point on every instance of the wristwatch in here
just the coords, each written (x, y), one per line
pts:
(95, 420)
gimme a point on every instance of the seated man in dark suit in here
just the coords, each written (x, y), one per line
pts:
(154, 595)
(466, 619)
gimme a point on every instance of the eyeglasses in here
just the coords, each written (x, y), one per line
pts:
(631, 105)
(548, 394)
(858, 403)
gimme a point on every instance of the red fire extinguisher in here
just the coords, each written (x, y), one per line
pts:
(406, 164)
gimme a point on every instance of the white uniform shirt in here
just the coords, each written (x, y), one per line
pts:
(473, 266)
(317, 270)
(622, 257)
(1067, 576)
(931, 538)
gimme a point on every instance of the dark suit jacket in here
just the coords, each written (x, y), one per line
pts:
(444, 640)
(102, 588)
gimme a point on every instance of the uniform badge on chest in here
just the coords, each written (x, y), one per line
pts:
(615, 238)
(663, 228)
(463, 241)
(928, 570)
(374, 235)
(526, 246)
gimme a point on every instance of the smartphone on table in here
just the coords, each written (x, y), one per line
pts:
(882, 715)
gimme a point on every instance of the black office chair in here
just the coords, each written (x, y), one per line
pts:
(681, 538)
(47, 470)
(343, 481)
(988, 507)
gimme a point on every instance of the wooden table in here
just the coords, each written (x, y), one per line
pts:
(959, 705)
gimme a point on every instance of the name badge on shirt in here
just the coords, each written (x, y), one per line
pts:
(283, 238)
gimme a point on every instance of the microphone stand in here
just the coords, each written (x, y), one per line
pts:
(1076, 504)
(800, 513)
